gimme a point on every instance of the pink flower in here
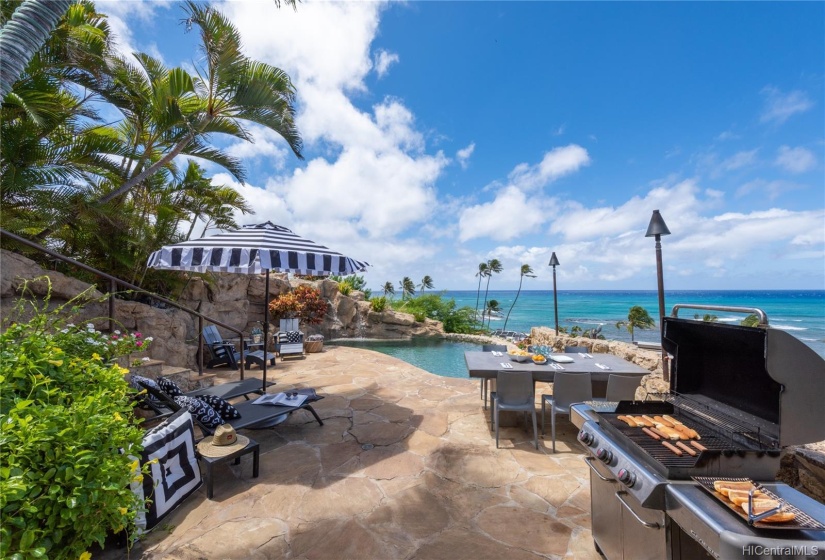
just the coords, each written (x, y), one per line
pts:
(114, 337)
(139, 343)
(138, 335)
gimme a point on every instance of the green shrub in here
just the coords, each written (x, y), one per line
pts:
(345, 289)
(436, 307)
(67, 432)
(419, 316)
(378, 304)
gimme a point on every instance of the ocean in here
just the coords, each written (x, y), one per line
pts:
(799, 312)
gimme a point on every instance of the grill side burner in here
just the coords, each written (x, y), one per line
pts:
(748, 392)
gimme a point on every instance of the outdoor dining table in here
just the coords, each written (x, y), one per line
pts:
(483, 365)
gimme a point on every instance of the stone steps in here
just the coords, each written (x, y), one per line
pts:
(185, 377)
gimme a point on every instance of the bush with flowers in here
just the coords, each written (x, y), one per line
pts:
(67, 433)
(304, 302)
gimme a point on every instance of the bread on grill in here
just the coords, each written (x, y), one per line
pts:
(763, 505)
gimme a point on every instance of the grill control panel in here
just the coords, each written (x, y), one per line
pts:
(645, 485)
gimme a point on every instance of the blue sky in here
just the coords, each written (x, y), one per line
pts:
(442, 134)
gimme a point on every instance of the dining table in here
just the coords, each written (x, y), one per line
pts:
(486, 365)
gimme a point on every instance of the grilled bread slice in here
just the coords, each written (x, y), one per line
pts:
(725, 486)
(739, 497)
(761, 506)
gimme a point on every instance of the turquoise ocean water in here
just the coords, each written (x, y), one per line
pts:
(800, 313)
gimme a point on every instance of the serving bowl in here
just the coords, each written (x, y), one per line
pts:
(519, 357)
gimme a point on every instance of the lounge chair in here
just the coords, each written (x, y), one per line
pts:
(232, 389)
(223, 352)
(290, 343)
(251, 413)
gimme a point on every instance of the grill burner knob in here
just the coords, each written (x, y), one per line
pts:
(627, 478)
(586, 438)
(604, 455)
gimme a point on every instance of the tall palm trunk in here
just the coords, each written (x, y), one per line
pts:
(486, 289)
(28, 29)
(521, 280)
(478, 294)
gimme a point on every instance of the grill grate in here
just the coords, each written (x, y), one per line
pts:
(801, 521)
(662, 454)
(748, 434)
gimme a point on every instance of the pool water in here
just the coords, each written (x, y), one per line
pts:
(441, 357)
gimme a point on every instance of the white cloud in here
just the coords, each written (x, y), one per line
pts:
(506, 217)
(556, 164)
(739, 160)
(795, 160)
(265, 144)
(779, 106)
(772, 189)
(463, 155)
(383, 61)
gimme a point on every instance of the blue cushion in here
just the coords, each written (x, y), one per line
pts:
(204, 413)
(223, 408)
(135, 381)
(293, 337)
(169, 387)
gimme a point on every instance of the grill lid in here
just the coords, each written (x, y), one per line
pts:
(760, 375)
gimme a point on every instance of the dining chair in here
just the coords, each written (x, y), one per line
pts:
(515, 392)
(568, 388)
(484, 382)
(621, 388)
(576, 349)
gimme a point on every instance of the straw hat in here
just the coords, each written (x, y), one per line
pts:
(223, 443)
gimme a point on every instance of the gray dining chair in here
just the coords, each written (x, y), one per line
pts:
(576, 349)
(568, 388)
(484, 382)
(621, 388)
(515, 392)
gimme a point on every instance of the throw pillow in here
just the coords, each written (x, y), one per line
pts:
(202, 412)
(136, 380)
(293, 337)
(223, 408)
(169, 387)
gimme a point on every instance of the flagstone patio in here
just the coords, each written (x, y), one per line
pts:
(405, 466)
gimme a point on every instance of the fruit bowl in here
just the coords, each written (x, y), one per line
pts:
(539, 359)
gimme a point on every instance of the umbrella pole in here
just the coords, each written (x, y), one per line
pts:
(266, 325)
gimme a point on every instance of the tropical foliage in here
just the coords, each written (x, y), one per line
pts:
(407, 287)
(63, 486)
(637, 318)
(439, 308)
(493, 267)
(426, 283)
(109, 193)
(302, 302)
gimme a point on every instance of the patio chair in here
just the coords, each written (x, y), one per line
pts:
(290, 343)
(251, 413)
(568, 388)
(621, 388)
(484, 382)
(232, 389)
(222, 351)
(576, 350)
(515, 392)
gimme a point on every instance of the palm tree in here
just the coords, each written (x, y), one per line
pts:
(493, 267)
(482, 272)
(637, 318)
(185, 110)
(492, 306)
(707, 318)
(426, 283)
(28, 29)
(388, 288)
(525, 271)
(407, 287)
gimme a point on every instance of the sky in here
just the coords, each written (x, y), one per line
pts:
(439, 135)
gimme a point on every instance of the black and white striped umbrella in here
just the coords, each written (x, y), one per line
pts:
(252, 250)
(255, 249)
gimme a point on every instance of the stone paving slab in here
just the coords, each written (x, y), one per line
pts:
(405, 467)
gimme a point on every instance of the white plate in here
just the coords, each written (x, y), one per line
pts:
(561, 359)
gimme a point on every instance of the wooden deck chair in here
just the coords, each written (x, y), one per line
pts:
(222, 351)
(290, 343)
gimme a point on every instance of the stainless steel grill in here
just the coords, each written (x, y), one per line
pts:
(748, 392)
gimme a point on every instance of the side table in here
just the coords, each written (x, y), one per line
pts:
(252, 447)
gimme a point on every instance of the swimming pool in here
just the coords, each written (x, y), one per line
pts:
(441, 357)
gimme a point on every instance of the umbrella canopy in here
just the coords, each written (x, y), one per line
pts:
(252, 250)
(255, 249)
